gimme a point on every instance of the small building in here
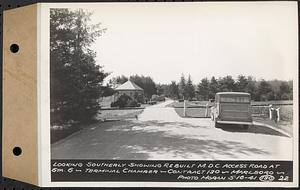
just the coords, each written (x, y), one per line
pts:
(129, 88)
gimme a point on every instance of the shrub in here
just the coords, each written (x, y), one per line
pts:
(133, 103)
(121, 102)
(158, 98)
(125, 101)
(114, 104)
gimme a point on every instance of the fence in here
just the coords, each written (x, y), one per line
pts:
(277, 111)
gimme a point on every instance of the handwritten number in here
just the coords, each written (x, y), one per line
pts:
(283, 178)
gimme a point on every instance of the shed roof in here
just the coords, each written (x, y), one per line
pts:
(129, 85)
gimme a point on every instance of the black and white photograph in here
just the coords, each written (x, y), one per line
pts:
(151, 94)
(172, 82)
(173, 92)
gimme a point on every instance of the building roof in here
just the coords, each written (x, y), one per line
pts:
(129, 85)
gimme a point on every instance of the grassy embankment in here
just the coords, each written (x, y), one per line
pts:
(195, 109)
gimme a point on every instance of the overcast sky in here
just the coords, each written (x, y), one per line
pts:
(163, 40)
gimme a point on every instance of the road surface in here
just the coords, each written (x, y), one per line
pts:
(160, 134)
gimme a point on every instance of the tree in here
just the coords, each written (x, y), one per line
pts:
(107, 91)
(116, 81)
(213, 87)
(275, 85)
(241, 83)
(173, 90)
(161, 89)
(251, 87)
(75, 77)
(290, 83)
(227, 84)
(284, 91)
(181, 87)
(189, 89)
(146, 83)
(265, 91)
(203, 89)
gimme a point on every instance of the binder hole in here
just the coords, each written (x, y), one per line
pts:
(14, 48)
(17, 151)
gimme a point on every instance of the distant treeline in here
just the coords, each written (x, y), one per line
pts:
(260, 90)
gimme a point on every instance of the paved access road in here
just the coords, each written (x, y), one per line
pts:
(160, 134)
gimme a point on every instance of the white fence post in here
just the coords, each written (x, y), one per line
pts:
(278, 114)
(184, 108)
(206, 110)
(270, 111)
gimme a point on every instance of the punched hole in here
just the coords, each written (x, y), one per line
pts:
(17, 151)
(14, 48)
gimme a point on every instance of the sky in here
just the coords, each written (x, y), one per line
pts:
(165, 40)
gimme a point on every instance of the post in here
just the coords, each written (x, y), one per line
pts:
(206, 110)
(278, 114)
(184, 108)
(270, 111)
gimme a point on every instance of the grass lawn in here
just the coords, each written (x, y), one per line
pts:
(118, 114)
(177, 104)
(192, 112)
(275, 102)
(286, 111)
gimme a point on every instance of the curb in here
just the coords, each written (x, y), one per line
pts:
(271, 127)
